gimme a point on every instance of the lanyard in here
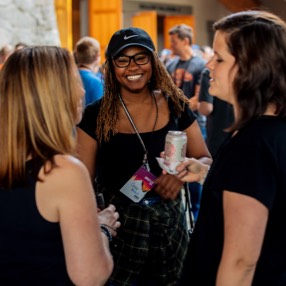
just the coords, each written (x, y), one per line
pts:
(145, 158)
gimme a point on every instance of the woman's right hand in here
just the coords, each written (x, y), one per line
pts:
(109, 218)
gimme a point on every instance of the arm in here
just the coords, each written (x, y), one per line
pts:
(192, 170)
(196, 146)
(205, 108)
(195, 169)
(194, 100)
(168, 186)
(87, 150)
(66, 196)
(205, 99)
(245, 221)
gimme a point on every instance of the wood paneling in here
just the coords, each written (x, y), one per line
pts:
(64, 19)
(105, 18)
(240, 5)
(170, 21)
(148, 22)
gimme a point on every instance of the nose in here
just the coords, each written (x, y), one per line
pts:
(132, 64)
(210, 63)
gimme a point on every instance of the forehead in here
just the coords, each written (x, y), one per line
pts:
(221, 49)
(175, 37)
(129, 51)
(219, 43)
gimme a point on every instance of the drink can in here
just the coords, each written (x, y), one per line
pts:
(175, 148)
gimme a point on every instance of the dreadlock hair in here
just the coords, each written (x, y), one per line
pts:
(109, 109)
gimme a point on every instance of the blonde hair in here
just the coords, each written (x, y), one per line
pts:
(40, 91)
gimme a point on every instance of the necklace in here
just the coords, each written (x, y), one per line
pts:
(145, 158)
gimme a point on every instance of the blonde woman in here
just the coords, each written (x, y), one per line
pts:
(50, 231)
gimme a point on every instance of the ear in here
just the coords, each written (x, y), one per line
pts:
(186, 41)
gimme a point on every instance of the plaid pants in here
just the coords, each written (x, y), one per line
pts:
(151, 244)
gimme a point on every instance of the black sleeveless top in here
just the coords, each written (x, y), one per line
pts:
(31, 249)
(120, 157)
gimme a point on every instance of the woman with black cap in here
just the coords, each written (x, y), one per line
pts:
(119, 138)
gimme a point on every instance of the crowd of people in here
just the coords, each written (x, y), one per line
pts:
(72, 132)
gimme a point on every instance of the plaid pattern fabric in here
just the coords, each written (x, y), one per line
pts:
(151, 244)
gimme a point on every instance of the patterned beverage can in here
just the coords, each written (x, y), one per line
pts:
(175, 149)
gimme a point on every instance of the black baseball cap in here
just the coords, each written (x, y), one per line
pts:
(128, 37)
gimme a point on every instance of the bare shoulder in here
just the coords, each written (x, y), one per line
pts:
(67, 165)
(68, 174)
(68, 161)
(67, 184)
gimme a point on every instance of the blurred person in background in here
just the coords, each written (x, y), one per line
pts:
(20, 46)
(186, 72)
(5, 52)
(87, 56)
(219, 115)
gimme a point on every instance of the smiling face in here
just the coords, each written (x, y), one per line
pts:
(222, 70)
(134, 77)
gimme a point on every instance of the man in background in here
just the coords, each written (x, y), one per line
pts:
(87, 56)
(186, 71)
(219, 115)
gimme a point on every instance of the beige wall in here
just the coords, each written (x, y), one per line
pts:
(276, 6)
(205, 11)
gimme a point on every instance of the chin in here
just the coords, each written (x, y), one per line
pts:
(212, 92)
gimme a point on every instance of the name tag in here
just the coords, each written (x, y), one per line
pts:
(138, 185)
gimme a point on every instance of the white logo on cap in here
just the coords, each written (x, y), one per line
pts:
(126, 38)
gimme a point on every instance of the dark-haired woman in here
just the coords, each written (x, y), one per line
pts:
(124, 132)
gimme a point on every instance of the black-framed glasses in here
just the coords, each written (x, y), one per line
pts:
(123, 61)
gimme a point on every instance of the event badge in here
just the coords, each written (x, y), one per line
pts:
(138, 185)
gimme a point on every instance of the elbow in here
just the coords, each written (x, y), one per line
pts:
(96, 274)
(106, 270)
(248, 259)
(247, 264)
(204, 112)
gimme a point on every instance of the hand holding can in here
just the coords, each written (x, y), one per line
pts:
(175, 149)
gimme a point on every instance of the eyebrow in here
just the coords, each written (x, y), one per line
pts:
(218, 54)
(142, 52)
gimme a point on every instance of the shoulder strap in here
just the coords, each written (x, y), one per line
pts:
(188, 210)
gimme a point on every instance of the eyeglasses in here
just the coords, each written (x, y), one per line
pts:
(140, 59)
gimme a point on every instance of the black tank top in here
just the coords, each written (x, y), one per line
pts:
(31, 249)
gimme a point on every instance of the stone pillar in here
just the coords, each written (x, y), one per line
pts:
(30, 21)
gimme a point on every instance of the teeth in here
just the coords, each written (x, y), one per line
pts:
(133, 77)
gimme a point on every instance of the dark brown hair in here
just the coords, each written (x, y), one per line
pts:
(257, 40)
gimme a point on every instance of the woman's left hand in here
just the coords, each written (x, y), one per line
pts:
(109, 218)
(192, 170)
(168, 186)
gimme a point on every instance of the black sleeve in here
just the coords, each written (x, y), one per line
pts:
(187, 118)
(89, 119)
(204, 89)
